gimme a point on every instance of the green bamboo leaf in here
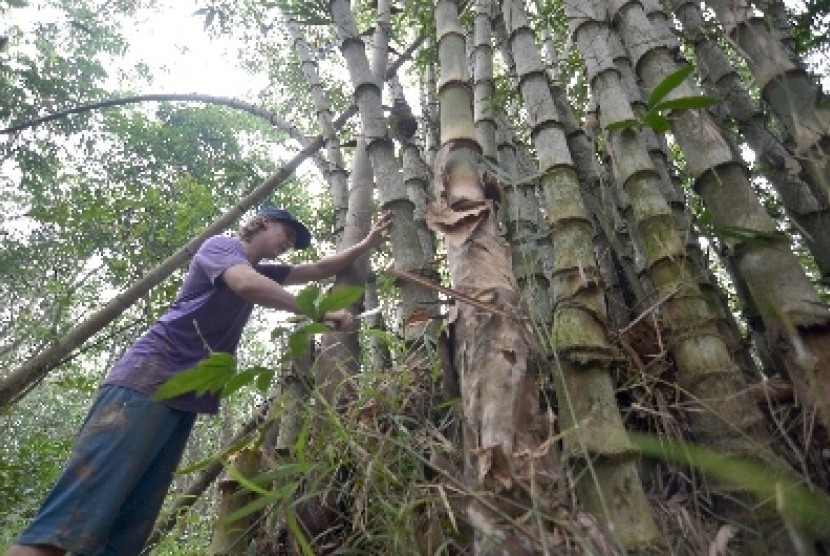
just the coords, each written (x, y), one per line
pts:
(307, 301)
(623, 124)
(308, 14)
(210, 375)
(282, 473)
(388, 338)
(198, 466)
(704, 219)
(298, 344)
(340, 298)
(215, 458)
(314, 328)
(657, 122)
(237, 476)
(671, 82)
(238, 381)
(686, 103)
(261, 502)
(297, 532)
(278, 332)
(301, 444)
(263, 381)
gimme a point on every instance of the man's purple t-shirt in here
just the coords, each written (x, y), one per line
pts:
(206, 313)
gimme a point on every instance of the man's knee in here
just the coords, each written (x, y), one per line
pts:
(34, 550)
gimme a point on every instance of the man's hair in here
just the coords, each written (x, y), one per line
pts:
(252, 227)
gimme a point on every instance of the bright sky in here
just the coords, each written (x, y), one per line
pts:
(172, 42)
(182, 56)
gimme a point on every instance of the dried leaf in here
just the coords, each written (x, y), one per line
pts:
(418, 316)
(446, 502)
(719, 546)
(493, 461)
(457, 225)
(483, 456)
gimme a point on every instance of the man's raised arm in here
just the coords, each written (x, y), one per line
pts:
(331, 265)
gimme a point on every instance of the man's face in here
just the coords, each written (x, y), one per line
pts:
(280, 237)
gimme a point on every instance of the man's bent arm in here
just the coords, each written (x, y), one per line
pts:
(258, 289)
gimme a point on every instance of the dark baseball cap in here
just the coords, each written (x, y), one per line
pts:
(281, 215)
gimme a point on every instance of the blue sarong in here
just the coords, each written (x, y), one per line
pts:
(108, 497)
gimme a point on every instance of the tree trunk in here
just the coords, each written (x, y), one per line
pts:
(492, 350)
(407, 250)
(231, 538)
(335, 173)
(705, 371)
(415, 175)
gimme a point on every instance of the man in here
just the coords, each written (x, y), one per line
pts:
(112, 488)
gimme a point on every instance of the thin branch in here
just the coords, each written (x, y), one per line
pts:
(271, 117)
(421, 281)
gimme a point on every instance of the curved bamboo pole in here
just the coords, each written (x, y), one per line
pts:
(271, 117)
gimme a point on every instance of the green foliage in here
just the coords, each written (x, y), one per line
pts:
(656, 116)
(98, 218)
(209, 376)
(372, 455)
(217, 373)
(26, 469)
(809, 28)
(36, 442)
(307, 12)
(314, 303)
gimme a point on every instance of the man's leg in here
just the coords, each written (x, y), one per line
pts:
(122, 435)
(141, 507)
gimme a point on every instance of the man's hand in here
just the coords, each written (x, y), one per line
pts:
(339, 320)
(377, 235)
